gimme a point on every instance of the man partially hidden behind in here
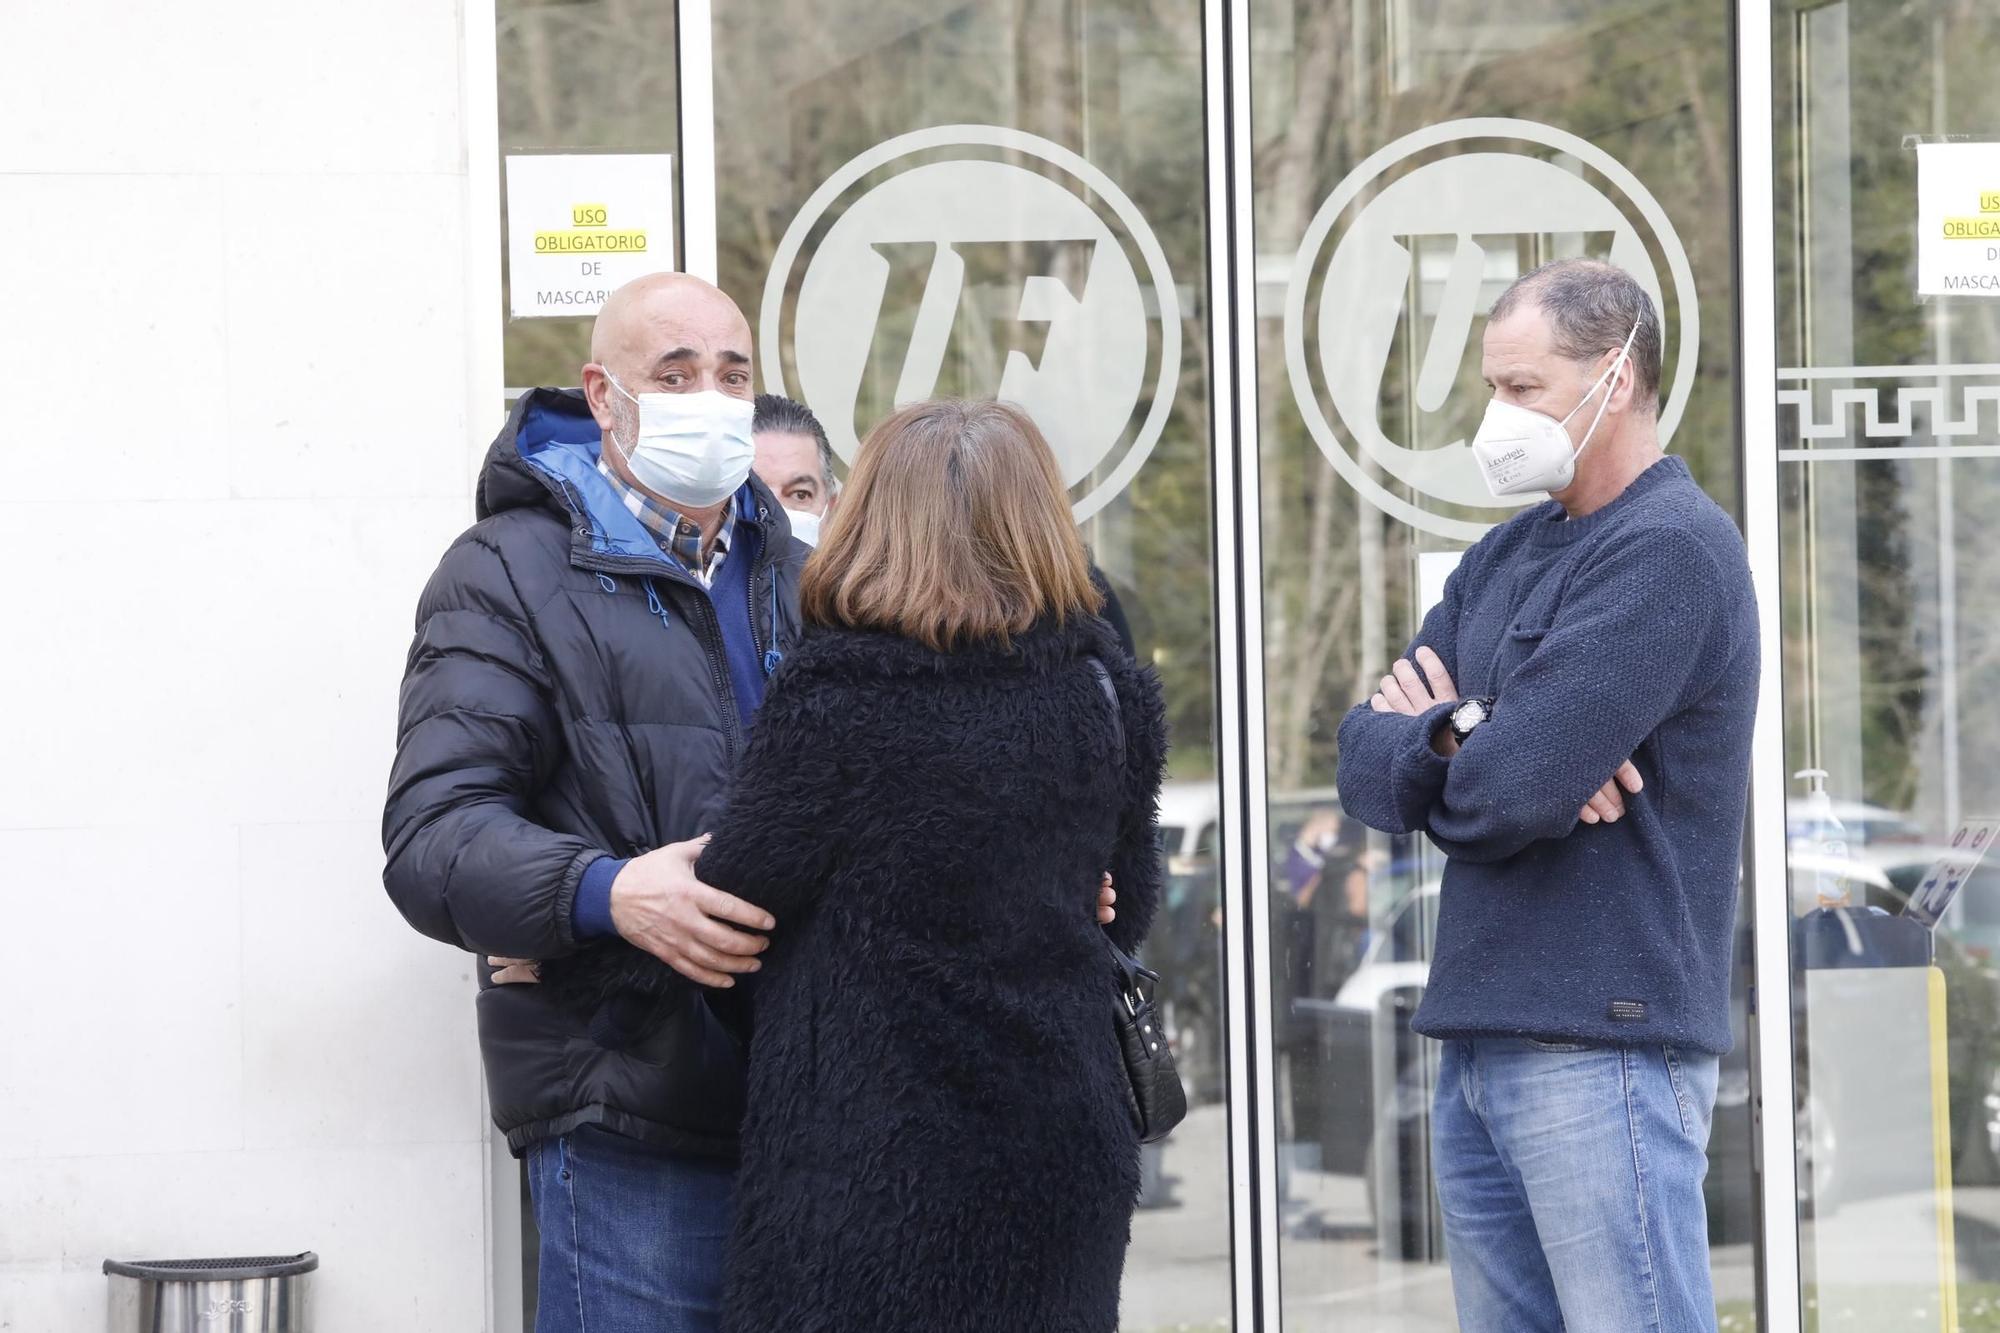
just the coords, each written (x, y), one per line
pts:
(795, 459)
(1572, 728)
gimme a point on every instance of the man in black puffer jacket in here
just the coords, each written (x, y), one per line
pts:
(587, 661)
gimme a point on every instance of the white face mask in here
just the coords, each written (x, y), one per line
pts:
(694, 449)
(805, 525)
(1522, 451)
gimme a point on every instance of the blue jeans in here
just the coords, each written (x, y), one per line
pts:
(1571, 1183)
(633, 1238)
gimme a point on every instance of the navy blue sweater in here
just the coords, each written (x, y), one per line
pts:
(1630, 633)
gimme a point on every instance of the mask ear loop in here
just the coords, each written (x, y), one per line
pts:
(1611, 374)
(612, 380)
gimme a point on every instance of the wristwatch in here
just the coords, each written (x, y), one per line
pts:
(1467, 717)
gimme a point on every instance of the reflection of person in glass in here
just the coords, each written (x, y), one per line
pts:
(1572, 728)
(1326, 878)
(1319, 921)
(939, 1133)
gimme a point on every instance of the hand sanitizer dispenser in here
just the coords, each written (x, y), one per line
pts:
(1826, 837)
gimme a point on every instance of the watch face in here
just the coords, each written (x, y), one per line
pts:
(1469, 715)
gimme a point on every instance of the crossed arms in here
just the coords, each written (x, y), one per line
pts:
(1627, 650)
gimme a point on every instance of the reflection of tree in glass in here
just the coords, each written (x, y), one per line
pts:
(803, 88)
(1864, 632)
(1649, 84)
(1864, 551)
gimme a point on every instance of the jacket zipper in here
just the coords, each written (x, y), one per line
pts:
(718, 672)
(756, 639)
(720, 675)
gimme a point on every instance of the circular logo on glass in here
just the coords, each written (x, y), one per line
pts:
(1388, 296)
(981, 262)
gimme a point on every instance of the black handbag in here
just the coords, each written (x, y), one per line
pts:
(1158, 1101)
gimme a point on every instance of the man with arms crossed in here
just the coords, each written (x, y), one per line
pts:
(1572, 728)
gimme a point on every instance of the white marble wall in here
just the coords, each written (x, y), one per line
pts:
(234, 331)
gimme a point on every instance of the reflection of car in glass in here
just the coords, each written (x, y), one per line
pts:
(1835, 1156)
(1376, 1080)
(1185, 944)
(1863, 825)
(1189, 812)
(1374, 1076)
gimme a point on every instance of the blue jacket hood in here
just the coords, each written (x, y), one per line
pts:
(546, 457)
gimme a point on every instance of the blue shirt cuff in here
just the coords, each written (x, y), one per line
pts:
(590, 917)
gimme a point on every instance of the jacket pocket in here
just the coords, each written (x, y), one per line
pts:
(1694, 1078)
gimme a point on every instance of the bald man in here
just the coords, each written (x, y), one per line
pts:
(587, 662)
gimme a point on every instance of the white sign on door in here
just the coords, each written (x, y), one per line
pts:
(579, 226)
(1434, 570)
(1958, 219)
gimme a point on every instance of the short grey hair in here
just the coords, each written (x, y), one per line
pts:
(788, 416)
(1591, 307)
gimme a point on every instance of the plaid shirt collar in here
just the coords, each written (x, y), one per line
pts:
(678, 537)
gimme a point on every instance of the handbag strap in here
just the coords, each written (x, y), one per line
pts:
(1130, 971)
(1103, 674)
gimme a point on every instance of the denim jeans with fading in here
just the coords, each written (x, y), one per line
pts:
(633, 1238)
(1571, 1180)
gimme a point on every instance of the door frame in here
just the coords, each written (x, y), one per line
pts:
(1241, 743)
(1774, 1155)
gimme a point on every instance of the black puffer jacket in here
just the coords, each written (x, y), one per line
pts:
(566, 699)
(938, 1138)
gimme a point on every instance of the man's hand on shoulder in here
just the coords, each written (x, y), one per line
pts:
(659, 904)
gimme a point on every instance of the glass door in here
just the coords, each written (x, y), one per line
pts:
(1888, 398)
(993, 198)
(1412, 158)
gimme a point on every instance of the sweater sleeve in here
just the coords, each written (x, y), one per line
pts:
(778, 838)
(477, 737)
(1634, 638)
(1389, 777)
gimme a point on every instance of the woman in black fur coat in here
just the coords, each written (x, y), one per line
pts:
(939, 1138)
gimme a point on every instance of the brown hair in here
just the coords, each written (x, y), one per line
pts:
(954, 528)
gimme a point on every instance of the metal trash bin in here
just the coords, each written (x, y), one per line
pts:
(262, 1295)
